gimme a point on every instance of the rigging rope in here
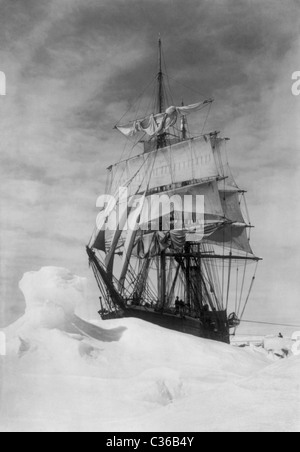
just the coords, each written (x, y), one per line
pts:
(188, 87)
(250, 290)
(237, 289)
(242, 288)
(223, 263)
(229, 281)
(137, 98)
(167, 75)
(270, 323)
(206, 119)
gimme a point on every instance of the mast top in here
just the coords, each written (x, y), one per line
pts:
(160, 53)
(161, 140)
(155, 126)
(160, 78)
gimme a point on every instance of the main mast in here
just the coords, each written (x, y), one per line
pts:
(161, 139)
(161, 143)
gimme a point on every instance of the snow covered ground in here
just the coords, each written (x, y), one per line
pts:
(64, 374)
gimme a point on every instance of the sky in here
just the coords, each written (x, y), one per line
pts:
(74, 66)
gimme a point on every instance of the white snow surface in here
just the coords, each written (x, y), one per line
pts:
(63, 374)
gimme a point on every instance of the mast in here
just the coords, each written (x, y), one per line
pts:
(161, 139)
(187, 274)
(183, 126)
(161, 143)
(163, 282)
(200, 268)
(160, 78)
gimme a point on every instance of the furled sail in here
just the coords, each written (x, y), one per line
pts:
(149, 245)
(158, 124)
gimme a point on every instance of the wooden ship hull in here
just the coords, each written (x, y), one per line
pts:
(213, 326)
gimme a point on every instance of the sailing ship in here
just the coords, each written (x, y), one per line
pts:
(154, 254)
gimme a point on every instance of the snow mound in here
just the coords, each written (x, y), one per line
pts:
(296, 336)
(273, 347)
(51, 294)
(62, 373)
(296, 343)
(278, 347)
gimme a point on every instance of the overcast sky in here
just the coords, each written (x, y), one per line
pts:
(74, 66)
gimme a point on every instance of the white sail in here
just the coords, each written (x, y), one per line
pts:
(231, 206)
(133, 227)
(186, 161)
(103, 217)
(194, 108)
(154, 125)
(231, 236)
(183, 205)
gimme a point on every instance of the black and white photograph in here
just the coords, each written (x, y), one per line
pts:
(149, 244)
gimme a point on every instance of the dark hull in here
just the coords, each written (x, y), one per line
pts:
(213, 327)
(212, 324)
